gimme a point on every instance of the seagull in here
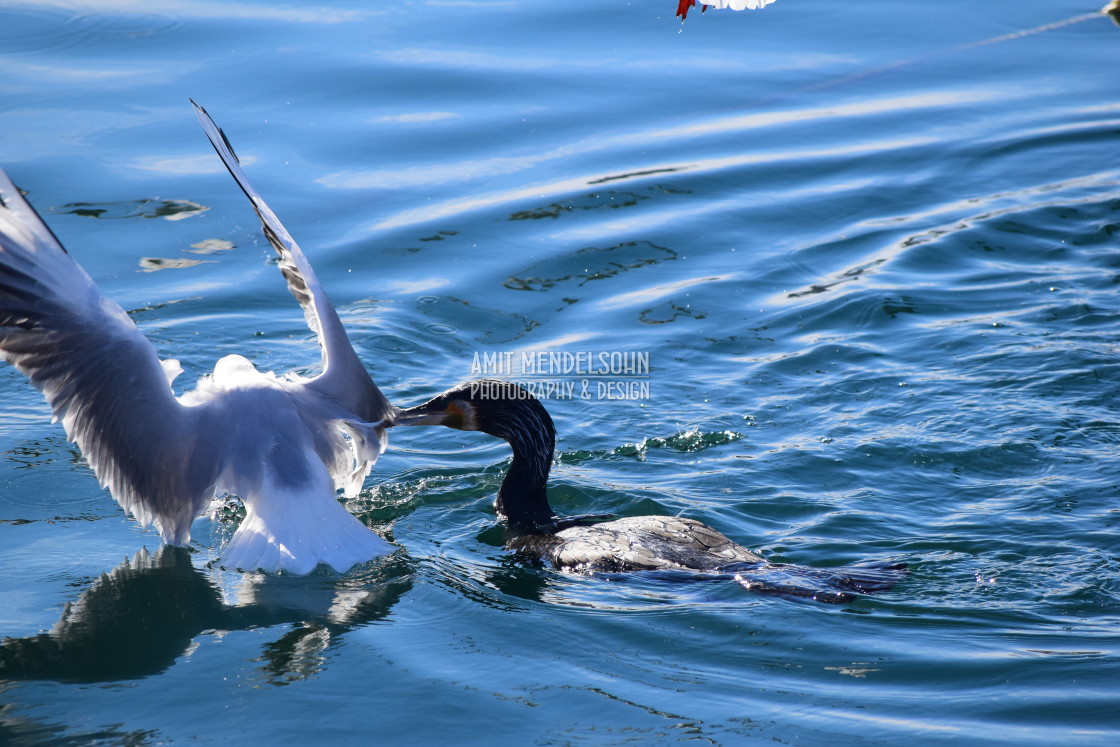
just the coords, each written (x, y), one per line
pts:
(283, 444)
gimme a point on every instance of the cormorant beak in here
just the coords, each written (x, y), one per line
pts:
(429, 413)
(452, 412)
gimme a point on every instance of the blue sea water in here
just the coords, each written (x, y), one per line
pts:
(870, 250)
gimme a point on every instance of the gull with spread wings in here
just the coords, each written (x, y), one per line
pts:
(284, 445)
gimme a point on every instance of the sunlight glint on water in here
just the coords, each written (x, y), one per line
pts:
(874, 264)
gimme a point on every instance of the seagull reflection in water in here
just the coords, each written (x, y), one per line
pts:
(149, 611)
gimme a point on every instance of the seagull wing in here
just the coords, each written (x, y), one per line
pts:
(100, 375)
(344, 379)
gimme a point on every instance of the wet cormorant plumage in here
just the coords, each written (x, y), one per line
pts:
(632, 543)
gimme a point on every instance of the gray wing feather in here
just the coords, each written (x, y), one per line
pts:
(344, 379)
(101, 377)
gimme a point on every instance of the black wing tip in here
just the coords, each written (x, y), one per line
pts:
(18, 197)
(5, 198)
(205, 118)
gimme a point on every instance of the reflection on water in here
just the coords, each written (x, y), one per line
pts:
(594, 201)
(152, 208)
(590, 263)
(136, 620)
(152, 264)
(628, 146)
(871, 249)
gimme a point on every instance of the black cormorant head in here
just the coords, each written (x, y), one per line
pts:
(510, 412)
(499, 408)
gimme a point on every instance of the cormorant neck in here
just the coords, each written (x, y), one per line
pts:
(523, 499)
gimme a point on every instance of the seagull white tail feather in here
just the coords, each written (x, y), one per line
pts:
(294, 529)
